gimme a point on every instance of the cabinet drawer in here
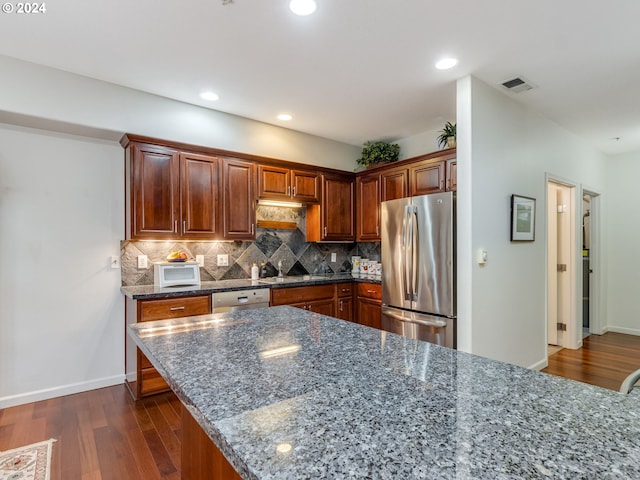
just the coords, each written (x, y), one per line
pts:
(287, 296)
(173, 307)
(344, 289)
(370, 290)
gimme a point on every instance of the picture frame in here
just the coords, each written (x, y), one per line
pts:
(523, 218)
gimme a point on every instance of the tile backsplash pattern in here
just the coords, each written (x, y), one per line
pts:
(271, 246)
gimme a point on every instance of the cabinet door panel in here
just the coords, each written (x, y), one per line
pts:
(200, 191)
(274, 182)
(345, 309)
(394, 184)
(369, 312)
(239, 200)
(155, 197)
(306, 186)
(452, 175)
(325, 307)
(427, 178)
(338, 211)
(368, 211)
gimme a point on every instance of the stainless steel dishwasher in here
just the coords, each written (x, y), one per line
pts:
(240, 300)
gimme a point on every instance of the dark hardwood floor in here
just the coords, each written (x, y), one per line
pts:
(103, 434)
(604, 360)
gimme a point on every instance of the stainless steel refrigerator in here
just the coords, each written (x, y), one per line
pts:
(418, 268)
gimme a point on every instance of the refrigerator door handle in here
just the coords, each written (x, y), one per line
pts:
(405, 250)
(414, 254)
(410, 253)
(414, 318)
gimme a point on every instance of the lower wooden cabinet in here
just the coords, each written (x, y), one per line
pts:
(315, 298)
(142, 379)
(369, 304)
(344, 301)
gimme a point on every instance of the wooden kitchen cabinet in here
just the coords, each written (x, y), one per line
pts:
(279, 183)
(334, 218)
(142, 378)
(452, 175)
(394, 183)
(427, 177)
(368, 211)
(239, 204)
(315, 298)
(344, 301)
(369, 304)
(153, 191)
(172, 195)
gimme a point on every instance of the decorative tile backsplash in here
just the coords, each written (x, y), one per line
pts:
(271, 246)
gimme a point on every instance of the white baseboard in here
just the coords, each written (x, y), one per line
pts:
(36, 396)
(628, 331)
(539, 365)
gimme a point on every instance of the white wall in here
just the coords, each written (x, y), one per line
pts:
(425, 142)
(623, 237)
(56, 100)
(61, 218)
(503, 148)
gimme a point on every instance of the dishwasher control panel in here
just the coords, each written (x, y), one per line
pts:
(240, 299)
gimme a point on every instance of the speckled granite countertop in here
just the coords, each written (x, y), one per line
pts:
(145, 292)
(355, 402)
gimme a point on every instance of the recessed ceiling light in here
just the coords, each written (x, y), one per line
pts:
(285, 117)
(209, 96)
(303, 7)
(446, 63)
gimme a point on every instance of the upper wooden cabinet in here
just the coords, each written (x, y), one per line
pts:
(333, 220)
(154, 193)
(394, 183)
(368, 211)
(200, 213)
(427, 177)
(239, 205)
(279, 183)
(452, 175)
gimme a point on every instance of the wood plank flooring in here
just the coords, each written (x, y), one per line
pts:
(604, 360)
(104, 435)
(101, 434)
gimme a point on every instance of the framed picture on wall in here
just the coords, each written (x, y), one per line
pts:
(523, 218)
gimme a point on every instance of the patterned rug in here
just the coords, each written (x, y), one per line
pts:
(32, 462)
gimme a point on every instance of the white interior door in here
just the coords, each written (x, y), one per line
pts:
(561, 268)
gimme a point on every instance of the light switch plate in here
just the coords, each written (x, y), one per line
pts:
(200, 260)
(223, 260)
(333, 257)
(143, 262)
(115, 261)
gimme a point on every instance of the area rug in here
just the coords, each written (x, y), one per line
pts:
(32, 462)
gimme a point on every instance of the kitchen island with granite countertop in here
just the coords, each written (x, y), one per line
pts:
(288, 394)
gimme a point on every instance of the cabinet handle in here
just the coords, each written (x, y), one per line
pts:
(377, 230)
(441, 184)
(325, 231)
(289, 190)
(252, 229)
(175, 309)
(371, 291)
(344, 290)
(294, 191)
(175, 226)
(184, 226)
(340, 305)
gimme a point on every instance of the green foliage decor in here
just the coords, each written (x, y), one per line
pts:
(448, 131)
(374, 153)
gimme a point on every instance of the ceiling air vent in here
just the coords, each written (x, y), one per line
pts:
(517, 85)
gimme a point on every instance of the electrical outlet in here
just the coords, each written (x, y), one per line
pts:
(333, 257)
(200, 260)
(142, 262)
(115, 261)
(223, 260)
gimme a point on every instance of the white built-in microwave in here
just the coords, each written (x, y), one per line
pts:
(169, 274)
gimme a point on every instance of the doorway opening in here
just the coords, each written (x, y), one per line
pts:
(562, 268)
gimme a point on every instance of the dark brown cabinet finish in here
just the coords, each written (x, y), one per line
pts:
(239, 209)
(427, 177)
(368, 212)
(147, 380)
(452, 175)
(315, 298)
(394, 184)
(199, 189)
(344, 301)
(334, 218)
(155, 198)
(369, 304)
(278, 183)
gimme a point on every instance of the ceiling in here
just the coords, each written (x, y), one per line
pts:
(355, 70)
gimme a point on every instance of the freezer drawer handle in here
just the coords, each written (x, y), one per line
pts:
(436, 323)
